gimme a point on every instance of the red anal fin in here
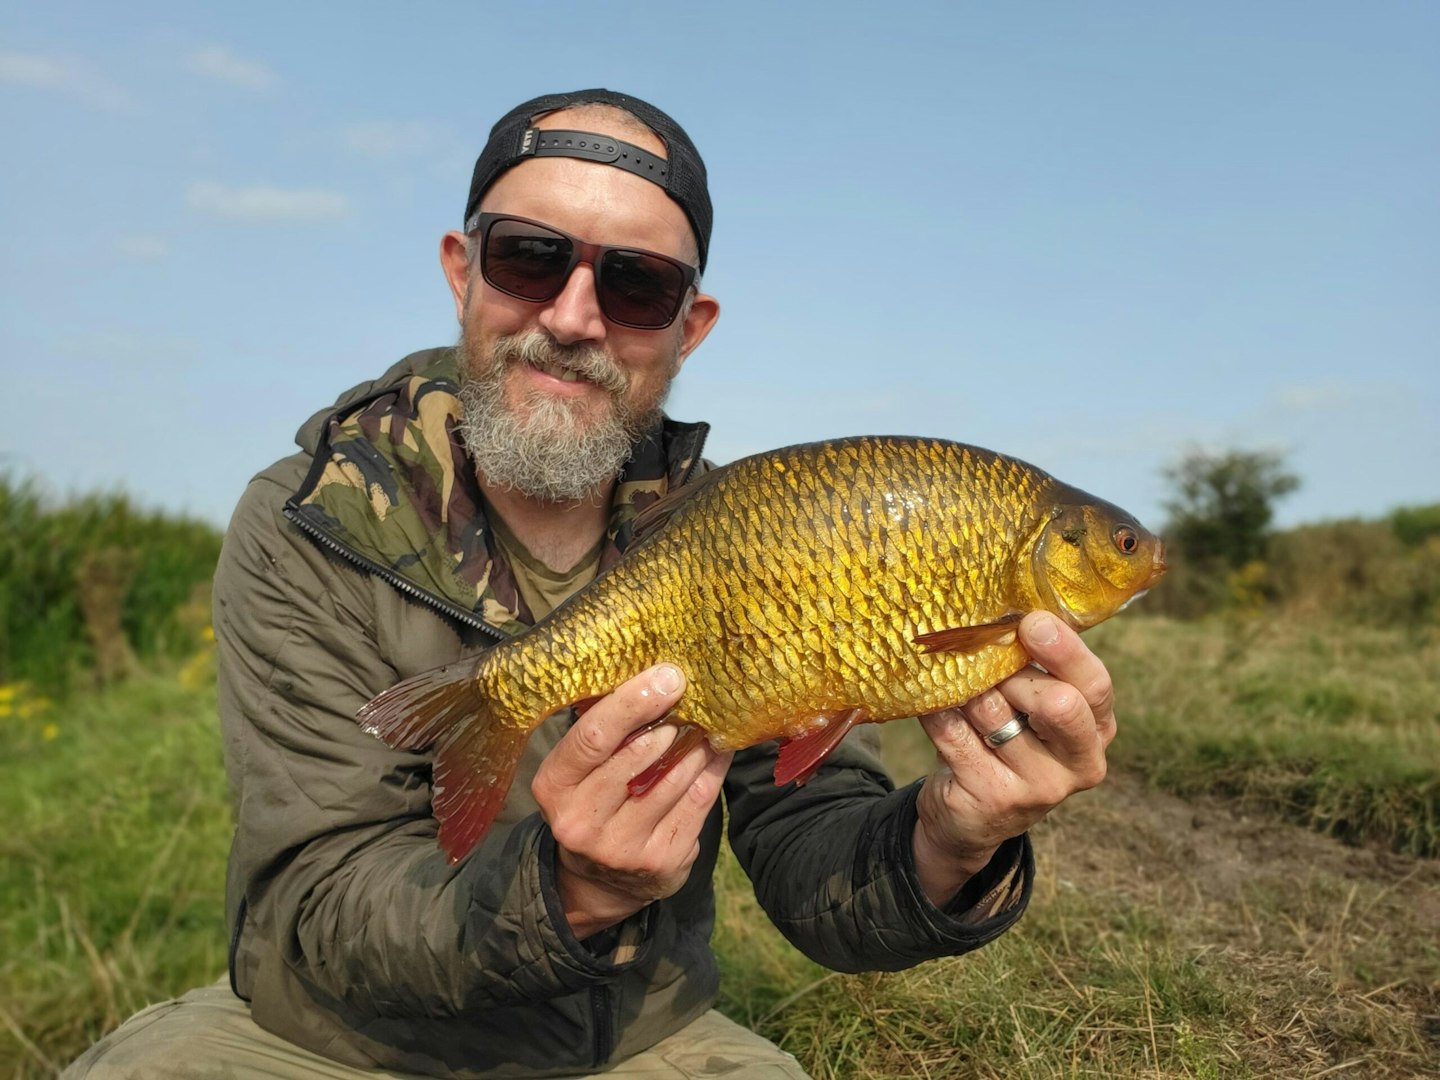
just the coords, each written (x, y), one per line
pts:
(972, 638)
(801, 757)
(686, 739)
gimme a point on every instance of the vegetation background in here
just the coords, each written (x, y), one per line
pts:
(1255, 892)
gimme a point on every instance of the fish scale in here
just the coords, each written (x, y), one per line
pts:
(800, 590)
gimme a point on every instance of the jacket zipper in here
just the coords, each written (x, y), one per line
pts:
(390, 577)
(600, 1003)
(414, 591)
(604, 1026)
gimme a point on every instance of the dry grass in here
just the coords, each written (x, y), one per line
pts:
(1337, 727)
(1154, 947)
(1168, 937)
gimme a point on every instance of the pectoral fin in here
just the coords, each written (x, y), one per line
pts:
(972, 638)
(801, 757)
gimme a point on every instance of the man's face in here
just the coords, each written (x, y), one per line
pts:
(555, 393)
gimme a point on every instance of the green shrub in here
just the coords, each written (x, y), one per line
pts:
(1357, 570)
(1414, 525)
(133, 575)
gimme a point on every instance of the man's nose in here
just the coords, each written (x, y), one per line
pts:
(573, 315)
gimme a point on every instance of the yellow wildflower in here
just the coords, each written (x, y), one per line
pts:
(208, 635)
(50, 731)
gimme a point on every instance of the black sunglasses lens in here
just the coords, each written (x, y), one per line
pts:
(640, 290)
(526, 260)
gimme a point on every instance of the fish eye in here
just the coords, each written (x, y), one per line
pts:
(1127, 539)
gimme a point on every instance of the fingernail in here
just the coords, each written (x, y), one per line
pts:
(665, 679)
(1045, 630)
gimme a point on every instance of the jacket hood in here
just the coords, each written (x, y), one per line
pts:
(391, 483)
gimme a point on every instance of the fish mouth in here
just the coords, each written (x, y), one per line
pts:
(1157, 568)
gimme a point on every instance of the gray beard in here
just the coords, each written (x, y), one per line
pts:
(547, 451)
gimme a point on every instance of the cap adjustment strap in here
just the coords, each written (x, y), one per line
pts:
(553, 142)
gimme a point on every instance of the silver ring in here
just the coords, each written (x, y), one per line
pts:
(1018, 723)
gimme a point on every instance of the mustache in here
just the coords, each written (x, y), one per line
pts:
(538, 349)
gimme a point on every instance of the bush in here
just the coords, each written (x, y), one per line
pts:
(1415, 525)
(1360, 571)
(90, 584)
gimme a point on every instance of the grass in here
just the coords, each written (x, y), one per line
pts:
(1199, 937)
(1335, 727)
(1165, 939)
(111, 864)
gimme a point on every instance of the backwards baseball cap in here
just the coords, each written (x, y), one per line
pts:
(681, 173)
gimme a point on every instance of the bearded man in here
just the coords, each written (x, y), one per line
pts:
(455, 501)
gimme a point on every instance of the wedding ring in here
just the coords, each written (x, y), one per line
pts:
(1018, 723)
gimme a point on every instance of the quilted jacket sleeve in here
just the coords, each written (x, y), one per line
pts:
(335, 872)
(833, 867)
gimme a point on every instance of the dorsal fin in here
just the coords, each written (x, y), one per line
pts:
(655, 516)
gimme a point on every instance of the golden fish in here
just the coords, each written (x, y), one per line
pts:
(802, 591)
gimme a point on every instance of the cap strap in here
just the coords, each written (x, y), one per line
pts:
(553, 142)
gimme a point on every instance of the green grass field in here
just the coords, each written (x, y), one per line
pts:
(1337, 727)
(1190, 918)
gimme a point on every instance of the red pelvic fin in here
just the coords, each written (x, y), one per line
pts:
(801, 757)
(584, 703)
(972, 638)
(686, 739)
(417, 712)
(473, 774)
(641, 730)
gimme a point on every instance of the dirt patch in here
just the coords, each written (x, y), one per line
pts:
(1354, 930)
(1222, 849)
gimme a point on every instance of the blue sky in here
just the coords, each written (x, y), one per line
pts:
(1092, 235)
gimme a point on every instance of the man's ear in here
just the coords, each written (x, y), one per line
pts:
(703, 314)
(455, 262)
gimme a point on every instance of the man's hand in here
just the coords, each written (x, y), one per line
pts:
(984, 795)
(618, 853)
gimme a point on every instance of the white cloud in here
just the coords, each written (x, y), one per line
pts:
(142, 246)
(219, 63)
(67, 75)
(1322, 396)
(392, 138)
(264, 203)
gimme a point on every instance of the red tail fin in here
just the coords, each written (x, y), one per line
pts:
(475, 754)
(473, 773)
(415, 713)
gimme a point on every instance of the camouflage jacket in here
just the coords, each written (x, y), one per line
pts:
(364, 559)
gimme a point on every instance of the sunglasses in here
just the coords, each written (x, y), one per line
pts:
(530, 261)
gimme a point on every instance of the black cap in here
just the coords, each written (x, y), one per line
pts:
(681, 173)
